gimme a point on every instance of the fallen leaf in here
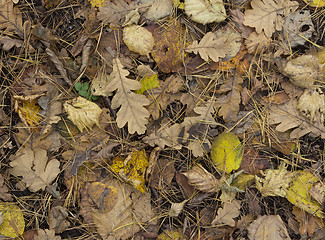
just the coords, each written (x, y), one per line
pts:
(13, 224)
(34, 167)
(226, 214)
(315, 3)
(274, 182)
(131, 105)
(46, 234)
(148, 83)
(57, 219)
(162, 173)
(228, 104)
(226, 152)
(138, 39)
(4, 195)
(210, 47)
(97, 3)
(202, 180)
(205, 11)
(169, 41)
(238, 18)
(83, 113)
(11, 18)
(267, 15)
(104, 197)
(176, 208)
(298, 193)
(159, 9)
(257, 43)
(268, 227)
(172, 235)
(132, 169)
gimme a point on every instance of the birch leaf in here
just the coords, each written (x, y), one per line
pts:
(132, 109)
(83, 113)
(268, 15)
(210, 47)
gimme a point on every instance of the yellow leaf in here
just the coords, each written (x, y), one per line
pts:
(13, 223)
(148, 83)
(226, 152)
(315, 3)
(83, 113)
(298, 193)
(105, 197)
(97, 3)
(27, 110)
(175, 234)
(132, 169)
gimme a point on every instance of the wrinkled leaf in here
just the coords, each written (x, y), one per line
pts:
(13, 224)
(227, 213)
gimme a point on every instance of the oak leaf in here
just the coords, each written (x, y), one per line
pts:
(11, 17)
(83, 113)
(227, 213)
(268, 15)
(34, 167)
(287, 117)
(210, 47)
(229, 104)
(132, 110)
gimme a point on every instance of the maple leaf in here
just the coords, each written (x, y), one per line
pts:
(132, 109)
(268, 15)
(210, 47)
(32, 165)
(83, 113)
(227, 214)
(287, 117)
(229, 104)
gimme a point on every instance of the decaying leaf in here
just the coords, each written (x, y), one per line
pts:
(172, 234)
(303, 71)
(205, 11)
(13, 224)
(83, 113)
(210, 47)
(268, 227)
(228, 104)
(176, 208)
(298, 193)
(312, 103)
(138, 39)
(160, 9)
(257, 43)
(58, 219)
(169, 42)
(131, 105)
(202, 180)
(46, 234)
(307, 222)
(148, 83)
(104, 197)
(132, 208)
(268, 15)
(274, 182)
(34, 167)
(132, 169)
(226, 152)
(227, 213)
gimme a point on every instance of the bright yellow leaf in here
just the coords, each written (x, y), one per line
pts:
(175, 234)
(132, 169)
(226, 152)
(315, 3)
(13, 223)
(148, 82)
(28, 110)
(97, 3)
(298, 193)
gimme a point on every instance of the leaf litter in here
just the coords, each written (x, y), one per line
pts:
(162, 119)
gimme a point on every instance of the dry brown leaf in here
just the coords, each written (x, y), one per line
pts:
(238, 17)
(46, 234)
(83, 113)
(9, 43)
(307, 222)
(268, 15)
(227, 213)
(210, 47)
(202, 180)
(4, 195)
(229, 104)
(57, 219)
(100, 82)
(159, 9)
(11, 18)
(34, 167)
(162, 173)
(257, 43)
(132, 110)
(268, 227)
(176, 208)
(287, 117)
